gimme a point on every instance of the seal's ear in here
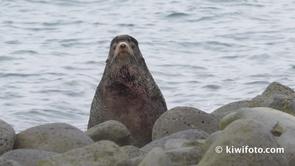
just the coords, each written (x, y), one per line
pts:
(142, 61)
(113, 41)
(110, 56)
(133, 40)
(112, 49)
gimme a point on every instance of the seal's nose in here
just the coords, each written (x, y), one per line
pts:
(122, 45)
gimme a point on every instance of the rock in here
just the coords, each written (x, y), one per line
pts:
(175, 143)
(110, 130)
(156, 157)
(55, 137)
(185, 155)
(231, 107)
(285, 104)
(277, 130)
(276, 96)
(135, 156)
(276, 88)
(241, 133)
(185, 135)
(102, 153)
(131, 162)
(211, 139)
(182, 118)
(28, 157)
(4, 162)
(132, 151)
(7, 137)
(281, 125)
(182, 148)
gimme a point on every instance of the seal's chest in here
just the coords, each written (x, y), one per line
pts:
(118, 89)
(126, 74)
(121, 88)
(120, 99)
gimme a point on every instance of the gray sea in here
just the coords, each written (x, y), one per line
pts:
(202, 53)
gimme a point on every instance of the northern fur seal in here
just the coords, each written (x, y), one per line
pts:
(127, 91)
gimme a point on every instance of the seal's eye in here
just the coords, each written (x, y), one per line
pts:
(129, 39)
(132, 46)
(114, 46)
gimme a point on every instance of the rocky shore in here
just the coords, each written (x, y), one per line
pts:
(182, 136)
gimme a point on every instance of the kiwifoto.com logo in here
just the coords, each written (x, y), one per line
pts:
(247, 149)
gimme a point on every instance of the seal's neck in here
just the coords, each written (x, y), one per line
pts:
(126, 81)
(124, 73)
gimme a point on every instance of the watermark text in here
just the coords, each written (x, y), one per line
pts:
(247, 149)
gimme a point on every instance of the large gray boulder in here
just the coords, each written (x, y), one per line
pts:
(102, 153)
(219, 113)
(276, 96)
(132, 151)
(7, 137)
(110, 130)
(182, 118)
(181, 137)
(5, 162)
(185, 155)
(156, 157)
(280, 124)
(131, 162)
(181, 148)
(27, 157)
(135, 156)
(241, 133)
(211, 139)
(55, 137)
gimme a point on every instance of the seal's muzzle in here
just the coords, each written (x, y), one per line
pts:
(122, 45)
(123, 49)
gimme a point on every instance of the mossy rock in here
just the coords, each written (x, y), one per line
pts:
(241, 133)
(280, 124)
(102, 153)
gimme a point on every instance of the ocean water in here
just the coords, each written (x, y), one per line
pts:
(202, 53)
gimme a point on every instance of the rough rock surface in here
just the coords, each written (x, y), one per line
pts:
(132, 151)
(102, 153)
(185, 135)
(7, 137)
(55, 137)
(27, 157)
(280, 124)
(185, 155)
(4, 162)
(110, 130)
(241, 133)
(231, 107)
(156, 157)
(182, 118)
(276, 96)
